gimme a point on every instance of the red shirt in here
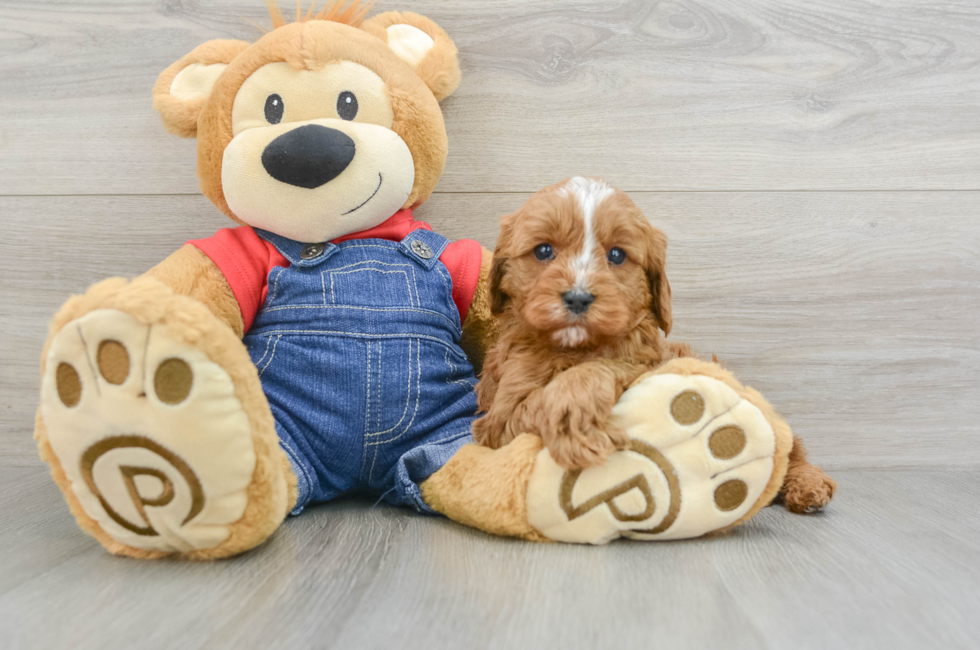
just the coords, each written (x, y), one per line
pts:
(245, 259)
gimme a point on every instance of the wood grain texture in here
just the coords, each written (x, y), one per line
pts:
(892, 564)
(816, 165)
(678, 95)
(855, 313)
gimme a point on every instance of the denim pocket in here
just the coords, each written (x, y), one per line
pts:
(371, 284)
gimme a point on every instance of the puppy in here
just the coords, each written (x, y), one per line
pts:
(579, 286)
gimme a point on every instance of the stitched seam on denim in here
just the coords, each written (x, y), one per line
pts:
(400, 265)
(268, 340)
(367, 415)
(302, 467)
(323, 286)
(377, 448)
(453, 369)
(378, 385)
(393, 246)
(374, 459)
(450, 305)
(275, 286)
(418, 393)
(413, 300)
(408, 397)
(361, 335)
(429, 312)
(451, 437)
(272, 356)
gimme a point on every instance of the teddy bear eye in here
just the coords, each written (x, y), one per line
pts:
(347, 105)
(544, 252)
(273, 109)
(616, 255)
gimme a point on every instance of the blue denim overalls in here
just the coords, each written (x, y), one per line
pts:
(357, 347)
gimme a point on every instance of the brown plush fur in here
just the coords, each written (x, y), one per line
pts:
(534, 378)
(180, 116)
(309, 44)
(487, 488)
(440, 67)
(189, 272)
(187, 321)
(338, 11)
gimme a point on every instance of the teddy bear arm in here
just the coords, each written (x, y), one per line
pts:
(480, 329)
(190, 272)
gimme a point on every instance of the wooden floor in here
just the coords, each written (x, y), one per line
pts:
(816, 165)
(894, 564)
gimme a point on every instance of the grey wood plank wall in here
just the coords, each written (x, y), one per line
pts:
(815, 164)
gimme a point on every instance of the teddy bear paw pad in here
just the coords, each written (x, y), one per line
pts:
(700, 457)
(149, 432)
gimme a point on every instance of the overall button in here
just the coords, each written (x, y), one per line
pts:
(421, 249)
(313, 250)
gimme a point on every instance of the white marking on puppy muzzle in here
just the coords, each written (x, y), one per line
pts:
(571, 336)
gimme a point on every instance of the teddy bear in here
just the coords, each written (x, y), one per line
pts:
(325, 344)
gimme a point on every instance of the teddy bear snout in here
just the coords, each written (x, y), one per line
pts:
(308, 156)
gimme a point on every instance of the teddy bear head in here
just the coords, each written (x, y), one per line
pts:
(324, 126)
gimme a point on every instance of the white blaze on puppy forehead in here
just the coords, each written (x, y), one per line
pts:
(589, 193)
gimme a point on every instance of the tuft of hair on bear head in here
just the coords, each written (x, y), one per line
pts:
(345, 12)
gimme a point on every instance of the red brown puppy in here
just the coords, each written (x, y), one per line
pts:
(581, 291)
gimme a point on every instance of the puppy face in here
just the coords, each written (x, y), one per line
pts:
(580, 263)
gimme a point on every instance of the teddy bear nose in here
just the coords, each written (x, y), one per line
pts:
(308, 156)
(577, 302)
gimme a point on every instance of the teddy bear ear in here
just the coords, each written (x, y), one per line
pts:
(183, 89)
(421, 44)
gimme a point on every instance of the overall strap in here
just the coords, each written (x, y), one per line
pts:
(423, 246)
(298, 253)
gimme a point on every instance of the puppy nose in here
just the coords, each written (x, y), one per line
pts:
(308, 156)
(577, 301)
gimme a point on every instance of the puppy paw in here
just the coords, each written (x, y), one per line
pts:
(576, 428)
(808, 491)
(581, 448)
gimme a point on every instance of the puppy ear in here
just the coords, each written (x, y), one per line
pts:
(498, 299)
(656, 270)
(423, 45)
(183, 89)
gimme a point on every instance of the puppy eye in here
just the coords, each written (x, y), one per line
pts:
(347, 105)
(544, 252)
(616, 255)
(273, 109)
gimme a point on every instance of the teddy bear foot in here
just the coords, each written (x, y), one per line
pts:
(702, 457)
(155, 431)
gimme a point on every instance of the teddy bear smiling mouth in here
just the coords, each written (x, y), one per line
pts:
(365, 202)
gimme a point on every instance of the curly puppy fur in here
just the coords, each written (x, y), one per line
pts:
(548, 355)
(552, 352)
